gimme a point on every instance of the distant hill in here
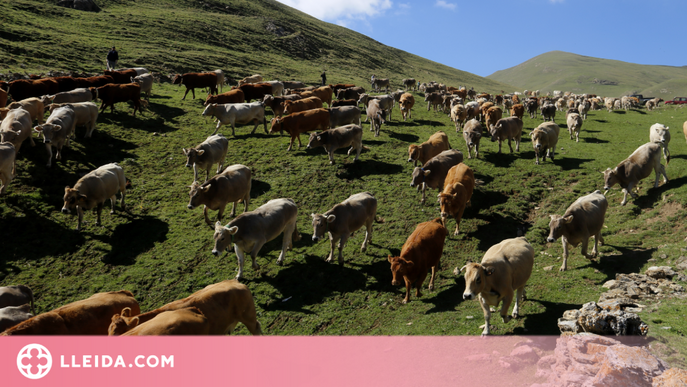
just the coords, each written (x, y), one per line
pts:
(557, 70)
(242, 37)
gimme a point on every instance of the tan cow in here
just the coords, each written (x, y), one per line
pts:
(582, 220)
(344, 115)
(33, 105)
(574, 122)
(8, 157)
(341, 137)
(91, 191)
(343, 220)
(16, 127)
(91, 316)
(146, 82)
(544, 140)
(437, 143)
(509, 128)
(421, 251)
(458, 187)
(251, 79)
(301, 122)
(684, 129)
(85, 114)
(16, 295)
(472, 133)
(492, 116)
(325, 94)
(57, 130)
(252, 229)
(231, 186)
(224, 304)
(186, 321)
(458, 115)
(77, 95)
(659, 134)
(377, 116)
(301, 105)
(636, 167)
(206, 154)
(406, 105)
(518, 110)
(433, 172)
(504, 270)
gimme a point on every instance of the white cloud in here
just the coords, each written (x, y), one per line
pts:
(340, 11)
(404, 5)
(443, 4)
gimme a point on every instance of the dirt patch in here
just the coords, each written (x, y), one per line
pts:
(668, 210)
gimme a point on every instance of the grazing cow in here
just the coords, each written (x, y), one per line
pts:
(8, 157)
(634, 168)
(301, 122)
(91, 316)
(16, 127)
(344, 102)
(146, 82)
(492, 116)
(472, 133)
(509, 128)
(256, 91)
(301, 105)
(13, 315)
(76, 95)
(409, 83)
(85, 114)
(232, 96)
(343, 115)
(343, 220)
(574, 122)
(113, 93)
(194, 81)
(433, 172)
(518, 110)
(505, 269)
(582, 220)
(548, 112)
(16, 295)
(91, 191)
(659, 133)
(121, 76)
(406, 105)
(230, 186)
(333, 139)
(544, 140)
(251, 79)
(252, 229)
(377, 116)
(224, 304)
(277, 103)
(237, 113)
(206, 154)
(458, 115)
(379, 83)
(33, 105)
(437, 143)
(185, 321)
(458, 187)
(531, 108)
(97, 81)
(57, 130)
(26, 88)
(422, 251)
(433, 100)
(350, 93)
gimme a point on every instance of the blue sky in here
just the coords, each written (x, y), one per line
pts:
(482, 37)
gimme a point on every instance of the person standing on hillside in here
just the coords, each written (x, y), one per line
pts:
(324, 78)
(112, 58)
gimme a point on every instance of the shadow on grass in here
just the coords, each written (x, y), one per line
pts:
(638, 111)
(541, 323)
(430, 123)
(446, 300)
(368, 168)
(631, 260)
(404, 136)
(502, 160)
(570, 163)
(619, 112)
(496, 230)
(594, 140)
(259, 188)
(654, 195)
(130, 239)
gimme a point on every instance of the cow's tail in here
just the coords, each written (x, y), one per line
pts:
(128, 185)
(296, 236)
(366, 148)
(479, 182)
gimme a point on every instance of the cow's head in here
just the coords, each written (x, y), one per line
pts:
(418, 177)
(122, 323)
(316, 139)
(413, 152)
(320, 225)
(557, 226)
(610, 178)
(494, 131)
(399, 268)
(72, 198)
(223, 237)
(661, 131)
(276, 124)
(48, 131)
(472, 137)
(538, 139)
(197, 193)
(177, 79)
(209, 110)
(192, 155)
(363, 99)
(476, 277)
(9, 136)
(451, 200)
(94, 93)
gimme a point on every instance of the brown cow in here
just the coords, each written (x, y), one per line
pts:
(66, 83)
(634, 168)
(509, 128)
(277, 103)
(194, 81)
(518, 110)
(350, 93)
(32, 105)
(493, 114)
(437, 143)
(121, 76)
(301, 122)
(232, 96)
(302, 105)
(340, 86)
(257, 91)
(422, 251)
(3, 98)
(406, 105)
(458, 187)
(114, 93)
(186, 321)
(27, 88)
(433, 172)
(96, 81)
(230, 186)
(325, 94)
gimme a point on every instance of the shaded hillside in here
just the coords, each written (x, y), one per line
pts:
(557, 70)
(241, 37)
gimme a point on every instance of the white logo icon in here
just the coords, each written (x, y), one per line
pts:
(34, 361)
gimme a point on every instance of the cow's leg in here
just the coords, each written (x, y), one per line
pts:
(113, 199)
(507, 300)
(98, 211)
(254, 253)
(286, 242)
(241, 258)
(368, 233)
(431, 279)
(408, 286)
(424, 187)
(487, 315)
(510, 145)
(219, 123)
(123, 191)
(330, 153)
(564, 266)
(500, 145)
(264, 125)
(49, 148)
(207, 172)
(193, 91)
(184, 97)
(517, 144)
(342, 244)
(220, 212)
(332, 246)
(518, 299)
(536, 156)
(663, 172)
(233, 209)
(257, 123)
(290, 144)
(79, 212)
(584, 246)
(595, 251)
(477, 150)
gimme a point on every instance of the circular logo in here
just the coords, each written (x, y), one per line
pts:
(34, 361)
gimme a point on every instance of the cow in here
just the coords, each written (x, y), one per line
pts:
(76, 95)
(230, 186)
(277, 88)
(377, 116)
(256, 91)
(249, 231)
(659, 133)
(33, 105)
(237, 113)
(433, 172)
(544, 139)
(548, 112)
(26, 88)
(292, 84)
(251, 79)
(3, 98)
(341, 137)
(85, 114)
(457, 192)
(194, 81)
(582, 220)
(385, 102)
(277, 103)
(8, 157)
(146, 82)
(301, 122)
(634, 168)
(91, 191)
(406, 105)
(531, 108)
(584, 107)
(325, 94)
(350, 93)
(57, 130)
(13, 315)
(113, 93)
(433, 100)
(301, 105)
(437, 143)
(224, 304)
(492, 116)
(458, 116)
(574, 122)
(220, 80)
(472, 133)
(97, 81)
(518, 110)
(91, 316)
(121, 76)
(684, 129)
(504, 270)
(16, 295)
(421, 251)
(206, 154)
(232, 96)
(16, 127)
(343, 115)
(379, 83)
(343, 220)
(509, 128)
(186, 321)
(139, 70)
(409, 83)
(472, 110)
(340, 86)
(344, 102)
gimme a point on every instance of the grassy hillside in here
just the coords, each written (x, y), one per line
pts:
(559, 70)
(240, 37)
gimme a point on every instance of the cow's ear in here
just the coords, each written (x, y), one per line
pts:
(185, 151)
(427, 172)
(126, 312)
(115, 317)
(313, 215)
(319, 138)
(218, 226)
(38, 129)
(461, 269)
(233, 230)
(552, 216)
(488, 271)
(331, 218)
(66, 189)
(200, 152)
(133, 322)
(56, 128)
(568, 219)
(206, 188)
(390, 259)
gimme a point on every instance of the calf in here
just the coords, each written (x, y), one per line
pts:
(13, 315)
(57, 130)
(206, 154)
(406, 105)
(509, 128)
(635, 168)
(458, 187)
(343, 220)
(422, 251)
(16, 127)
(344, 115)
(8, 157)
(237, 113)
(112, 93)
(574, 122)
(91, 191)
(230, 186)
(194, 81)
(231, 96)
(333, 139)
(472, 133)
(301, 122)
(504, 270)
(437, 143)
(433, 173)
(302, 105)
(582, 220)
(146, 83)
(544, 139)
(659, 134)
(252, 229)
(16, 295)
(33, 105)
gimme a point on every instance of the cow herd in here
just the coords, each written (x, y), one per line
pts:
(297, 109)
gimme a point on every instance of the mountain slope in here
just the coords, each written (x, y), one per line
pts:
(241, 37)
(557, 70)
